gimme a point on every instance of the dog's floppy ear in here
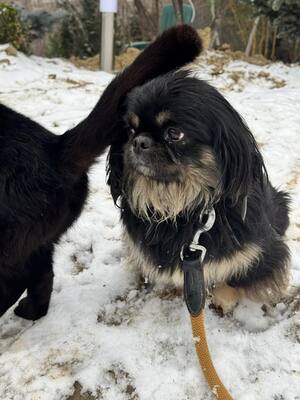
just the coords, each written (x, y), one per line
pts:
(239, 158)
(114, 170)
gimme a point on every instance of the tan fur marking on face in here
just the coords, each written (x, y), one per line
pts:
(226, 297)
(168, 199)
(134, 120)
(163, 117)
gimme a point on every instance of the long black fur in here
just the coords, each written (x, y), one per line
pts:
(43, 177)
(207, 119)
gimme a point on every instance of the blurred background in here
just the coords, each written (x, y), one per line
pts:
(265, 29)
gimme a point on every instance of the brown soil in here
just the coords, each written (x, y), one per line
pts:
(93, 63)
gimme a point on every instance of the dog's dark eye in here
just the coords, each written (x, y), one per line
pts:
(131, 131)
(174, 135)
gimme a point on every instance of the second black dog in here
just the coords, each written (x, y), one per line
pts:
(43, 177)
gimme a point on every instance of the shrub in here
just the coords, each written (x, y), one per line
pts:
(79, 33)
(12, 29)
(284, 14)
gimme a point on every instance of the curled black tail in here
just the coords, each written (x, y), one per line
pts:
(173, 49)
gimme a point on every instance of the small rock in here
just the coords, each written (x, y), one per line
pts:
(11, 51)
(5, 61)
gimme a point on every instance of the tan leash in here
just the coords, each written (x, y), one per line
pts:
(192, 257)
(205, 360)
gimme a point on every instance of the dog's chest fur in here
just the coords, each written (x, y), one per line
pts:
(154, 248)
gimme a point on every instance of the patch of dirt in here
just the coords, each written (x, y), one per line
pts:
(81, 260)
(256, 59)
(116, 375)
(219, 59)
(5, 61)
(76, 84)
(78, 266)
(294, 333)
(72, 82)
(170, 293)
(91, 63)
(205, 35)
(295, 304)
(293, 182)
(58, 364)
(241, 77)
(124, 381)
(11, 51)
(123, 309)
(78, 395)
(294, 310)
(126, 58)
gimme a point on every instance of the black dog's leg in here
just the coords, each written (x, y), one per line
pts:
(39, 288)
(10, 291)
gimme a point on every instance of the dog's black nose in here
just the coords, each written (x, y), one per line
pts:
(142, 143)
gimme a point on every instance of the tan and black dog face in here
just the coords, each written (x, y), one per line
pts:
(161, 149)
(186, 147)
(169, 163)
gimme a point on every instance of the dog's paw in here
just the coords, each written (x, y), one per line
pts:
(170, 293)
(225, 298)
(28, 310)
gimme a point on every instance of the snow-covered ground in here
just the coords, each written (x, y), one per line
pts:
(103, 335)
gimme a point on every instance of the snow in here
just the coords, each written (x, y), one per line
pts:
(119, 342)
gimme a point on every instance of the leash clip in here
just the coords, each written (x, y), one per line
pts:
(192, 257)
(194, 246)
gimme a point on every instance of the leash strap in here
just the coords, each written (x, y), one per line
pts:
(194, 287)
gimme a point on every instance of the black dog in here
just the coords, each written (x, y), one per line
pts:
(43, 177)
(188, 150)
